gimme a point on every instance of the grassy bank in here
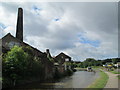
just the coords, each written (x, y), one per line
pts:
(115, 72)
(100, 82)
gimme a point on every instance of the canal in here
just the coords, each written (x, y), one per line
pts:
(80, 79)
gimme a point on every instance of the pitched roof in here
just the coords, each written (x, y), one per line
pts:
(9, 35)
(6, 35)
(62, 54)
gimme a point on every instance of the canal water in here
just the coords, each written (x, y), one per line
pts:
(80, 79)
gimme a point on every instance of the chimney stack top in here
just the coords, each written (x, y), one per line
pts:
(19, 27)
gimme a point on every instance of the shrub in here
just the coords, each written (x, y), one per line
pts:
(14, 64)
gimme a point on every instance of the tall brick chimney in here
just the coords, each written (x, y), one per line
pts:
(48, 53)
(19, 27)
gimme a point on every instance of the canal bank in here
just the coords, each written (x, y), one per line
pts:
(101, 81)
(113, 81)
(80, 79)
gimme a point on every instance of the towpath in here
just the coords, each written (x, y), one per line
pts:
(112, 81)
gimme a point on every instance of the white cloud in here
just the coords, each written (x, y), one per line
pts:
(94, 21)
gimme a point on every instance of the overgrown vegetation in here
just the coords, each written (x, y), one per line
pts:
(115, 72)
(50, 58)
(14, 65)
(100, 82)
(19, 64)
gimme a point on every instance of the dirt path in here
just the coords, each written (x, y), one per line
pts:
(112, 81)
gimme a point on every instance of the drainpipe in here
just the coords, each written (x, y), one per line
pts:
(65, 66)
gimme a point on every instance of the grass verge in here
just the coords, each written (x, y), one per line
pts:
(115, 72)
(100, 82)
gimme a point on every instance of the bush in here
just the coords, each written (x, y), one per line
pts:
(20, 64)
(14, 64)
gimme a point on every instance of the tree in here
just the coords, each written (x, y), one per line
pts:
(31, 57)
(89, 62)
(85, 64)
(90, 59)
(79, 65)
(15, 64)
(114, 60)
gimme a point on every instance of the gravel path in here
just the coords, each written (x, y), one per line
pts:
(112, 81)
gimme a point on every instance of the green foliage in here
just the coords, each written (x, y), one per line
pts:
(115, 72)
(29, 51)
(93, 62)
(14, 64)
(114, 60)
(51, 59)
(36, 69)
(85, 64)
(20, 63)
(89, 62)
(79, 64)
(90, 59)
(73, 65)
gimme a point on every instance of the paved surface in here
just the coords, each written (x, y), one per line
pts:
(112, 81)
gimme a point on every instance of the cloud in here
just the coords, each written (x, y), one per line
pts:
(82, 30)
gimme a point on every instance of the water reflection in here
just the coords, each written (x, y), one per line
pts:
(80, 79)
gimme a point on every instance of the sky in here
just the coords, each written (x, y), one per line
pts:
(79, 29)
